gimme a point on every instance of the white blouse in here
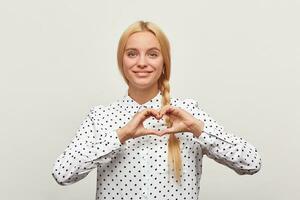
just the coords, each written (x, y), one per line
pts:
(138, 169)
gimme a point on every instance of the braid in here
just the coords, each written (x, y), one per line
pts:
(174, 156)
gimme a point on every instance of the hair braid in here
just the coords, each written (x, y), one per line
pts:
(174, 156)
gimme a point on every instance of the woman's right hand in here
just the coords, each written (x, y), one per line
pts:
(135, 128)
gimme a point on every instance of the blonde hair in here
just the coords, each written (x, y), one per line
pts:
(174, 156)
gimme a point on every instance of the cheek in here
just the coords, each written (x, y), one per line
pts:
(157, 63)
(127, 62)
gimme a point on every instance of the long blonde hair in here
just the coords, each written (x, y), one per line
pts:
(174, 156)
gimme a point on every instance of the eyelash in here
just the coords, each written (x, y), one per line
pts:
(130, 53)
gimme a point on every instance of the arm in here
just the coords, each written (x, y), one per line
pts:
(225, 148)
(84, 152)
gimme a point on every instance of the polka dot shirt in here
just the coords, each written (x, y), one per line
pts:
(138, 168)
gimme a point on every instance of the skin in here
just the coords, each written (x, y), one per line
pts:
(143, 53)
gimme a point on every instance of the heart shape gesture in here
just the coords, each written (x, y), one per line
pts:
(182, 121)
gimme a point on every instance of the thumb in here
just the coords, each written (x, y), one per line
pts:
(167, 131)
(151, 132)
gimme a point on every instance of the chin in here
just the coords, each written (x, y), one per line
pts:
(143, 84)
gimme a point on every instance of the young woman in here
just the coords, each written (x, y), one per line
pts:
(147, 144)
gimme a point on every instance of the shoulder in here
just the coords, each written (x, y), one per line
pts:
(185, 102)
(192, 106)
(102, 109)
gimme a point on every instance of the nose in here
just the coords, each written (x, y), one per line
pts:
(142, 61)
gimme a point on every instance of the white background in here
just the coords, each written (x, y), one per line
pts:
(239, 59)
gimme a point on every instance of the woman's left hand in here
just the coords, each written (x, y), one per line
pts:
(182, 120)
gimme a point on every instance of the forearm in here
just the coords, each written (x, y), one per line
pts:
(197, 127)
(80, 157)
(123, 134)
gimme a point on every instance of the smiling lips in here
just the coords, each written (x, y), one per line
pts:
(142, 73)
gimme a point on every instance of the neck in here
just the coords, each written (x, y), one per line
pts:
(141, 96)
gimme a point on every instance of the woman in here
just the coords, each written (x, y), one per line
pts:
(147, 144)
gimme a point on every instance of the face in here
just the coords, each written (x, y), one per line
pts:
(142, 60)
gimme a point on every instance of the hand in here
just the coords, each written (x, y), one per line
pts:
(135, 128)
(182, 120)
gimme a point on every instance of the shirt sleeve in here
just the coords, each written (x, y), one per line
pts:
(225, 148)
(84, 152)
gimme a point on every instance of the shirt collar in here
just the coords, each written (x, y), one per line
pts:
(131, 104)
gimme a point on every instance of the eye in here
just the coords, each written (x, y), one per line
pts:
(131, 54)
(153, 54)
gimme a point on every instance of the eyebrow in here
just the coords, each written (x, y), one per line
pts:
(152, 48)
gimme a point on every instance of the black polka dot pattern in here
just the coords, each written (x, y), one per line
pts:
(138, 169)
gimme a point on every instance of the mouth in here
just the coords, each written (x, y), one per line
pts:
(142, 73)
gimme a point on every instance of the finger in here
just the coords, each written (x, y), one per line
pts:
(151, 132)
(167, 131)
(148, 112)
(166, 109)
(156, 113)
(163, 110)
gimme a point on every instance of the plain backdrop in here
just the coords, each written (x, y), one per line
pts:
(239, 59)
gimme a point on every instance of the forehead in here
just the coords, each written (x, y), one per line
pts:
(142, 40)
